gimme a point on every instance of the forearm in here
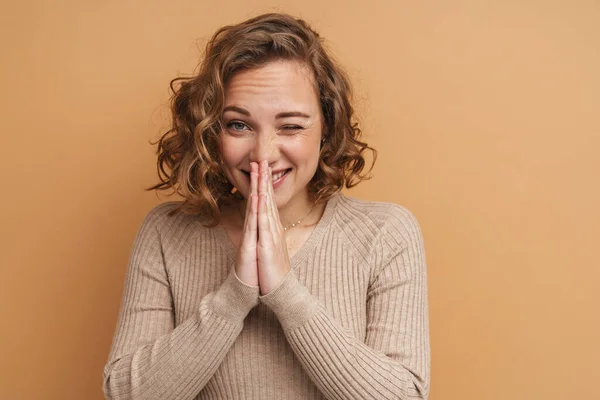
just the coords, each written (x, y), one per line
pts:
(177, 365)
(342, 366)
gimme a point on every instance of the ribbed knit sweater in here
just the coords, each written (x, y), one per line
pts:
(349, 321)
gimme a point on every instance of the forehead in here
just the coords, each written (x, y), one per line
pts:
(278, 83)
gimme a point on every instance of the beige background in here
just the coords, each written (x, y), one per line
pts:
(485, 114)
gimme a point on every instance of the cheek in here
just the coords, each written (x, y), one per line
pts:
(231, 151)
(303, 153)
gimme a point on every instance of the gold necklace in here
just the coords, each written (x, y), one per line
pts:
(290, 226)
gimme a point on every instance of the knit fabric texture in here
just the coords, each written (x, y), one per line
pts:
(349, 321)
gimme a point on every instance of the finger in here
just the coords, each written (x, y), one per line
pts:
(250, 227)
(254, 174)
(263, 221)
(262, 187)
(274, 213)
(253, 183)
(247, 209)
(263, 184)
(253, 186)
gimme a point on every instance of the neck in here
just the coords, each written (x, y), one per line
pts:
(296, 208)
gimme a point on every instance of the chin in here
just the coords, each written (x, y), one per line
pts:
(280, 203)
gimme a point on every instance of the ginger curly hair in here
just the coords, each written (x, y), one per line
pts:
(188, 153)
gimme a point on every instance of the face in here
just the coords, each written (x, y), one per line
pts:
(272, 113)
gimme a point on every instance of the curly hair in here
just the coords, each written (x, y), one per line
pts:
(188, 153)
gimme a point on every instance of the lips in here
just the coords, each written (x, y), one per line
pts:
(279, 175)
(285, 172)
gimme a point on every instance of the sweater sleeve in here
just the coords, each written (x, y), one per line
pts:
(152, 359)
(393, 362)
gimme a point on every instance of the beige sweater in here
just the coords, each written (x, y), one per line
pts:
(350, 320)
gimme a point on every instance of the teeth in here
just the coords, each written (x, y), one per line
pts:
(279, 175)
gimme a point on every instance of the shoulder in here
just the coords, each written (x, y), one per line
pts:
(161, 214)
(375, 226)
(169, 223)
(161, 210)
(374, 218)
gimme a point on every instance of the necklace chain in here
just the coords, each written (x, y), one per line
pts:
(290, 226)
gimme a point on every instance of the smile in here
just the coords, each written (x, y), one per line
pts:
(276, 178)
(278, 175)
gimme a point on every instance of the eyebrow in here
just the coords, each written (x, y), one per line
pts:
(278, 116)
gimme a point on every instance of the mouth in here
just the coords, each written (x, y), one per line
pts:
(275, 177)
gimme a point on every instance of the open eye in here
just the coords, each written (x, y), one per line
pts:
(237, 125)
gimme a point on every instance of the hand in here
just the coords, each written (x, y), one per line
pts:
(273, 259)
(246, 266)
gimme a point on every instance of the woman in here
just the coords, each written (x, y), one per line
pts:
(267, 281)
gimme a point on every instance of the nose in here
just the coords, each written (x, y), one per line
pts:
(265, 148)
